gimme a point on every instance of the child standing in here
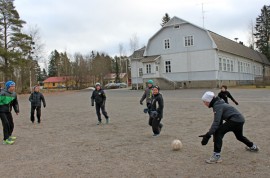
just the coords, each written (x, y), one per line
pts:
(234, 123)
(35, 98)
(8, 99)
(99, 97)
(225, 94)
(147, 94)
(156, 111)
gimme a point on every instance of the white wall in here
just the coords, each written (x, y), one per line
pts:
(176, 37)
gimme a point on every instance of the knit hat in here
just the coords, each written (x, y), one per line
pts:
(208, 96)
(97, 84)
(9, 84)
(150, 82)
(157, 87)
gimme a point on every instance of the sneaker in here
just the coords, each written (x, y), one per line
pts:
(12, 138)
(107, 120)
(99, 122)
(8, 142)
(213, 159)
(254, 148)
(155, 135)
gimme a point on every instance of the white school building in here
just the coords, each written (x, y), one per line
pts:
(182, 54)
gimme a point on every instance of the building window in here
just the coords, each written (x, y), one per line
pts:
(140, 72)
(53, 84)
(157, 68)
(189, 41)
(148, 68)
(232, 65)
(167, 44)
(220, 64)
(224, 65)
(228, 65)
(168, 68)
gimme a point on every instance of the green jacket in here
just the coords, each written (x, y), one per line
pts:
(8, 100)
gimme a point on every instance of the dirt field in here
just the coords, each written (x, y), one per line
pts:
(68, 143)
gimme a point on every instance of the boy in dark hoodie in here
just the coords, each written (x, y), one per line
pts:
(35, 98)
(8, 99)
(99, 97)
(156, 111)
(225, 94)
(234, 122)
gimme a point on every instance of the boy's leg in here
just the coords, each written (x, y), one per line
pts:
(219, 134)
(38, 113)
(238, 132)
(98, 112)
(156, 126)
(104, 111)
(5, 125)
(11, 123)
(32, 117)
(150, 122)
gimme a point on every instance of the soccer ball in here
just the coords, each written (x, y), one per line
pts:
(176, 145)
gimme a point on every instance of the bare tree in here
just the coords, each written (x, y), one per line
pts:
(134, 43)
(250, 34)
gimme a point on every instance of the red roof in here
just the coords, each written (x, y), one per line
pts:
(55, 79)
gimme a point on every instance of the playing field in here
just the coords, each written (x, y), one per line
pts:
(68, 143)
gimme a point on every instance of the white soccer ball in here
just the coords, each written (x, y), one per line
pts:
(176, 145)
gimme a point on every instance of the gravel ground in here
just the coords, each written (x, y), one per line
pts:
(68, 143)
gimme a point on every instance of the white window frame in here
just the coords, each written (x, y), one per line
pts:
(148, 68)
(220, 64)
(140, 72)
(189, 41)
(168, 67)
(224, 64)
(167, 44)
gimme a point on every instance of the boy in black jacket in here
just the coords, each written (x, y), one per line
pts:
(99, 97)
(156, 111)
(35, 98)
(225, 94)
(234, 122)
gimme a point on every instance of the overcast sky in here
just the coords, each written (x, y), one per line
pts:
(101, 25)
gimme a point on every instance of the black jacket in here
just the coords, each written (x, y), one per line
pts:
(98, 96)
(225, 95)
(8, 100)
(36, 98)
(223, 111)
(157, 104)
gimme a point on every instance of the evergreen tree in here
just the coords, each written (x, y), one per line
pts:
(53, 68)
(165, 19)
(262, 33)
(14, 45)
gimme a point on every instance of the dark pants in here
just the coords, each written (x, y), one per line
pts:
(156, 125)
(102, 107)
(32, 117)
(229, 126)
(7, 123)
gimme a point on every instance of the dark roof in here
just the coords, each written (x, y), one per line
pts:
(150, 59)
(138, 53)
(229, 46)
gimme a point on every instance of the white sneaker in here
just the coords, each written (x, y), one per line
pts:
(213, 159)
(254, 148)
